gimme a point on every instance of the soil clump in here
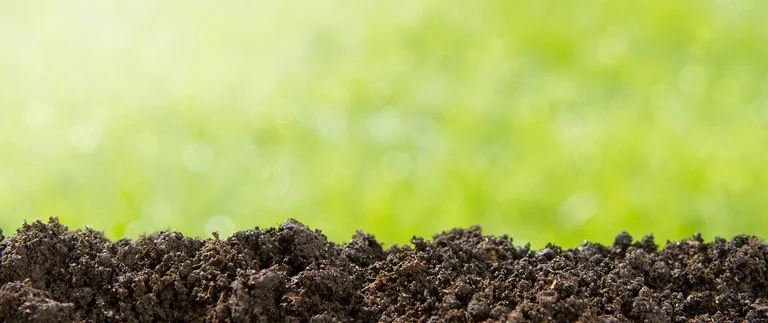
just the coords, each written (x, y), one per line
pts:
(49, 273)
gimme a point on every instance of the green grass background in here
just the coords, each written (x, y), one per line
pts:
(547, 120)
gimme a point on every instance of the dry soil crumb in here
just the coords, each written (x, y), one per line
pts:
(294, 274)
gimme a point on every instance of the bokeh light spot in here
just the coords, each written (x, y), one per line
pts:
(384, 125)
(198, 157)
(221, 224)
(85, 136)
(38, 116)
(578, 208)
(610, 49)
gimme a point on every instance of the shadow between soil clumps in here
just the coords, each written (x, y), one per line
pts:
(294, 274)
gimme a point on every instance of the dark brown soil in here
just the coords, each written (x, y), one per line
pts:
(294, 274)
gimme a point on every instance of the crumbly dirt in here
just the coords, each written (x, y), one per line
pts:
(293, 274)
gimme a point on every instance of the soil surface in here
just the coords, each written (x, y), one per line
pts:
(294, 274)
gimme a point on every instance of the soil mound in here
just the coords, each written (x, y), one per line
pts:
(294, 274)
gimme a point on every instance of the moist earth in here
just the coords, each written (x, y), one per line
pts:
(293, 274)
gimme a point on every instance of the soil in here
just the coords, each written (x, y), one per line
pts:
(293, 274)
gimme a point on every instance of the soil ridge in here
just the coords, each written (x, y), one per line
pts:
(291, 273)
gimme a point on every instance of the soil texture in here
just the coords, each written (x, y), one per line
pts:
(293, 274)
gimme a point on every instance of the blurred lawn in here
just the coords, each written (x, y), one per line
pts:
(547, 120)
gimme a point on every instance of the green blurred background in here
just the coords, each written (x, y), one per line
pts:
(547, 120)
